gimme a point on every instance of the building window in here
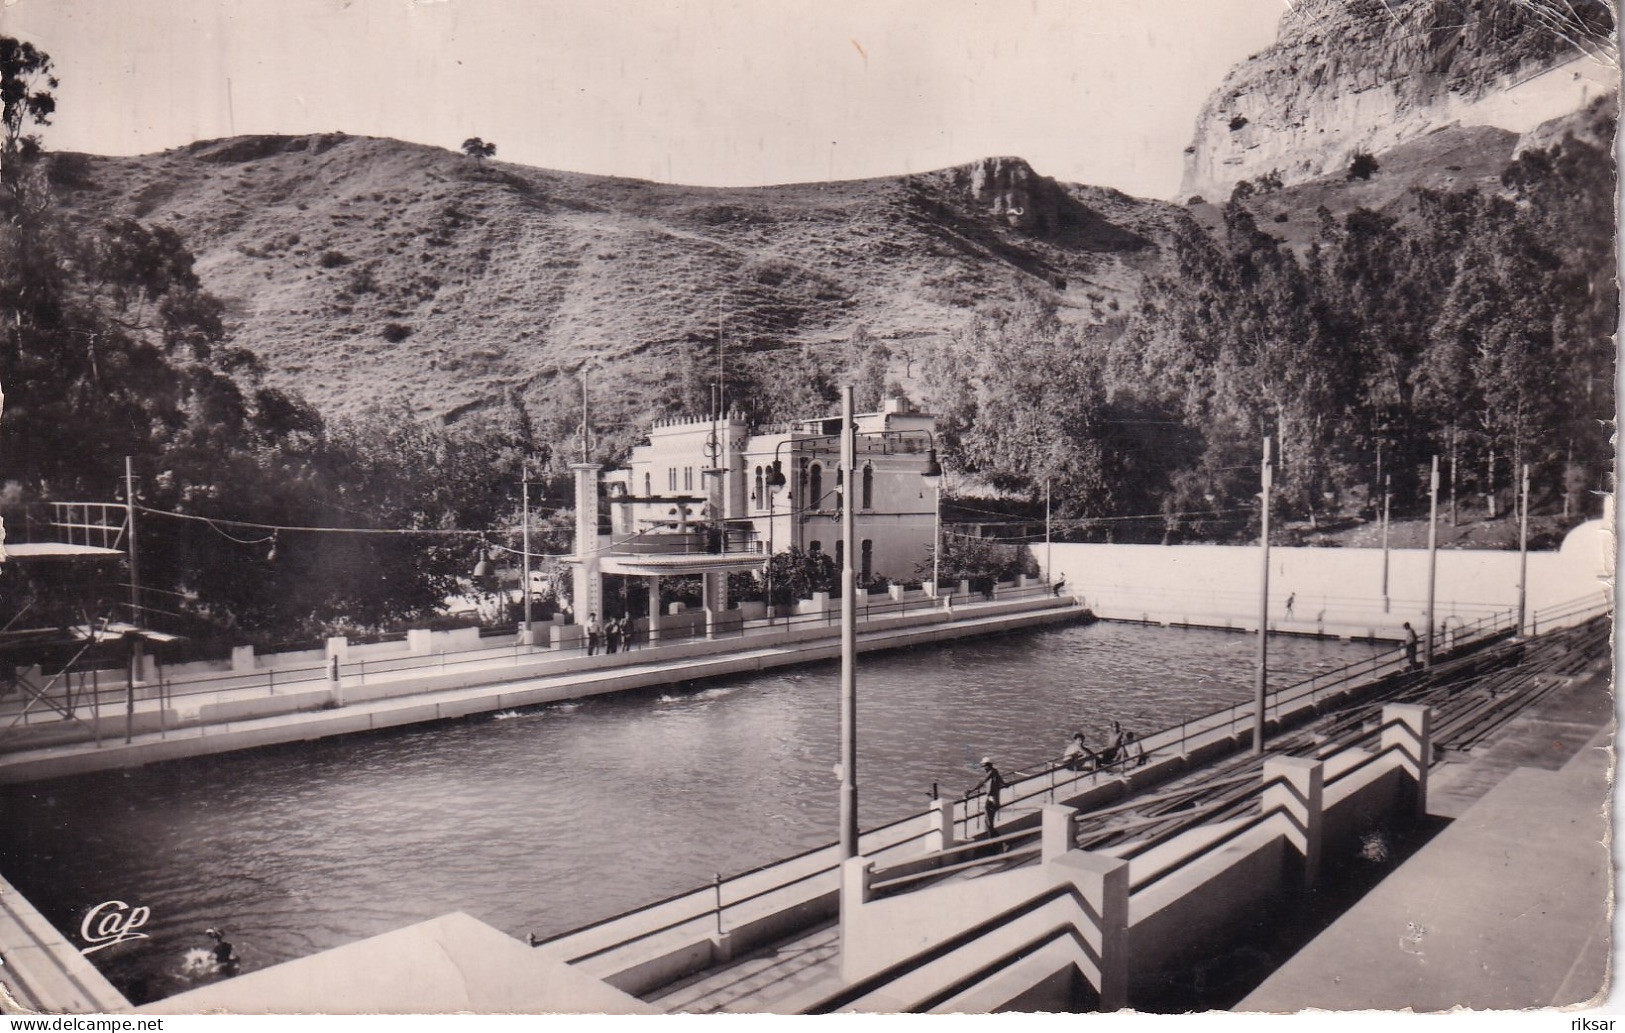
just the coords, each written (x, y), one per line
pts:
(815, 490)
(671, 479)
(761, 489)
(688, 478)
(840, 554)
(868, 559)
(648, 484)
(868, 487)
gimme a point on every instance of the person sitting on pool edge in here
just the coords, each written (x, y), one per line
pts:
(1078, 755)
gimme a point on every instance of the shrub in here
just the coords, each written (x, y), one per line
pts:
(70, 169)
(334, 259)
(1362, 166)
(395, 333)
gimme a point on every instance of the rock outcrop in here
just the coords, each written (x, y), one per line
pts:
(1352, 76)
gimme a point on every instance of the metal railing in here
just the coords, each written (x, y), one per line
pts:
(317, 675)
(1052, 779)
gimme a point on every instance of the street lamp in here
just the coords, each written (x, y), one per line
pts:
(524, 508)
(775, 485)
(849, 640)
(932, 476)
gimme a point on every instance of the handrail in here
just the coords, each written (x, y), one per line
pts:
(1136, 849)
(716, 910)
(273, 678)
(960, 866)
(863, 987)
(1246, 826)
(961, 812)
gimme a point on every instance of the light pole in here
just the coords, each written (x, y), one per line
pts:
(524, 509)
(775, 484)
(1263, 605)
(1433, 557)
(1387, 496)
(849, 639)
(1523, 549)
(1049, 568)
(932, 476)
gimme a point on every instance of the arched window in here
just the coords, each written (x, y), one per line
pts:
(868, 487)
(761, 488)
(648, 484)
(840, 554)
(815, 487)
(868, 559)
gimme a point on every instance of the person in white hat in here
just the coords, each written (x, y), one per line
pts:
(995, 785)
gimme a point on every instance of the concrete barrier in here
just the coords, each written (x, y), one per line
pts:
(1216, 585)
(1171, 906)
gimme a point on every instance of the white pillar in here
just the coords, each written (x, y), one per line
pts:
(1059, 830)
(587, 581)
(1296, 786)
(1103, 882)
(1408, 727)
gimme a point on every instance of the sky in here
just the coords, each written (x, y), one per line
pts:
(709, 92)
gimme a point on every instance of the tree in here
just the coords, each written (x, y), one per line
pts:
(22, 68)
(478, 149)
(1362, 166)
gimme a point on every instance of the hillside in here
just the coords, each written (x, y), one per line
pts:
(1448, 159)
(1351, 76)
(368, 271)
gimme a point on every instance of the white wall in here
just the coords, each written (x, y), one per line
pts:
(1220, 583)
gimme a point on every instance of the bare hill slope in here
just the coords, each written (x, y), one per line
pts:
(367, 271)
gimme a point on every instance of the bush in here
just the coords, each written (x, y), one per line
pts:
(70, 169)
(395, 333)
(1362, 166)
(334, 259)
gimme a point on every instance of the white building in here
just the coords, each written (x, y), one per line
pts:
(699, 497)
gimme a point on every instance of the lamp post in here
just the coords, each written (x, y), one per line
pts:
(775, 484)
(1433, 557)
(1049, 567)
(1523, 549)
(849, 639)
(1387, 497)
(1263, 603)
(932, 476)
(524, 509)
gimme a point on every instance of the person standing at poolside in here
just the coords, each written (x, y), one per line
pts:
(995, 786)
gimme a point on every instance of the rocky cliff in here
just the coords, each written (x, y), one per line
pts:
(1352, 76)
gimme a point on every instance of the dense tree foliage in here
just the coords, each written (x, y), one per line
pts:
(109, 347)
(1470, 323)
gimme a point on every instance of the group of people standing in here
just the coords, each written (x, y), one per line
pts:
(614, 635)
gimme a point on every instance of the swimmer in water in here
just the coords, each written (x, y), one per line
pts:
(225, 958)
